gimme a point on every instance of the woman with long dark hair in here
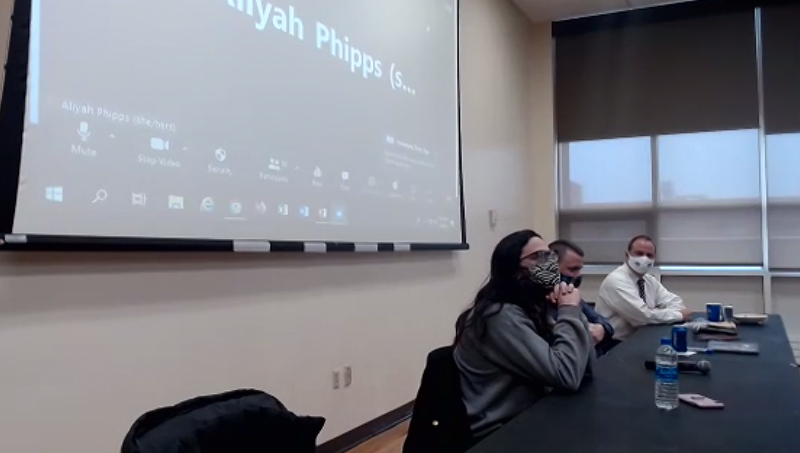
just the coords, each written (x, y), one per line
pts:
(509, 350)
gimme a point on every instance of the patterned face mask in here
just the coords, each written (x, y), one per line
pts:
(546, 274)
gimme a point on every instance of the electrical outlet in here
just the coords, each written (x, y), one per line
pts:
(348, 376)
(337, 379)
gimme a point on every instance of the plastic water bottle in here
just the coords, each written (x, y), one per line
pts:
(666, 376)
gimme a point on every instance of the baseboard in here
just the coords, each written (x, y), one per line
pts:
(363, 433)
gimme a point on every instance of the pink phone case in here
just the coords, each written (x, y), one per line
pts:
(703, 402)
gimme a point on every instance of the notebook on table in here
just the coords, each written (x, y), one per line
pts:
(733, 347)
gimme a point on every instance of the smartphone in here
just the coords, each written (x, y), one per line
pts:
(703, 402)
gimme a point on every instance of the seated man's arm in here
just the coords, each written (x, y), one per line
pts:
(667, 299)
(623, 299)
(594, 318)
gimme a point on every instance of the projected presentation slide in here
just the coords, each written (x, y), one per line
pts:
(243, 119)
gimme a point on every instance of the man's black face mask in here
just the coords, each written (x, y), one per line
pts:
(575, 281)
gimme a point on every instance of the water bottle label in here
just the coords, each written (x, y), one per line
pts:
(667, 373)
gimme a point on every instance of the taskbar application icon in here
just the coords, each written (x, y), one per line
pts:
(339, 214)
(207, 205)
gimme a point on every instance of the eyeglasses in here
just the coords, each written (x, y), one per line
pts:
(541, 256)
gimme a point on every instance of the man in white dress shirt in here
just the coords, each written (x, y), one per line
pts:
(630, 298)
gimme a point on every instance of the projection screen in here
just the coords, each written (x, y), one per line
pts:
(330, 121)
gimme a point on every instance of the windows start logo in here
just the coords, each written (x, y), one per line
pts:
(54, 194)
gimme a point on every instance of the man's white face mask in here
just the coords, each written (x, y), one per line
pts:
(640, 264)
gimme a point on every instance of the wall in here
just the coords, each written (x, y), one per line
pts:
(542, 132)
(89, 342)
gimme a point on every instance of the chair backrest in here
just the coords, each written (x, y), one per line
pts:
(439, 420)
(241, 421)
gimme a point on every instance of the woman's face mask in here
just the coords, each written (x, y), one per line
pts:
(546, 273)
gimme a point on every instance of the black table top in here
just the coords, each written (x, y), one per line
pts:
(616, 413)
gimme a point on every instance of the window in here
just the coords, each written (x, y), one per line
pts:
(783, 205)
(658, 122)
(781, 63)
(605, 174)
(606, 194)
(709, 168)
(660, 114)
(709, 198)
(701, 201)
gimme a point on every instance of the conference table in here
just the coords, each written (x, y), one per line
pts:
(615, 411)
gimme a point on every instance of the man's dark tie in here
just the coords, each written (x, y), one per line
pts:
(640, 283)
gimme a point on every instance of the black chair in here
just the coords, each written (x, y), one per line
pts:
(439, 420)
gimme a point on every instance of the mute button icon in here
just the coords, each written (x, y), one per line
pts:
(83, 131)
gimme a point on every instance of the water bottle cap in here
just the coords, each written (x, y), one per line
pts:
(667, 341)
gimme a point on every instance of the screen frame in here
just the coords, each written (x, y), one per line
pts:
(12, 126)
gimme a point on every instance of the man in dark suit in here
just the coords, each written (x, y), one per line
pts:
(570, 263)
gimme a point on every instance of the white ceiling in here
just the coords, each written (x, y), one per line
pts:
(549, 10)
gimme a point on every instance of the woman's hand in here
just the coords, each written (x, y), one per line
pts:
(565, 295)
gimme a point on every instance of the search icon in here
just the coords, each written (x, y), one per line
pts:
(101, 195)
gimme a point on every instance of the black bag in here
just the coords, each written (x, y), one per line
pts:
(241, 421)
